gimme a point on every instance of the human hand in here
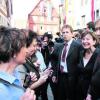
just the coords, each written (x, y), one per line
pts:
(29, 79)
(48, 71)
(28, 95)
(54, 79)
(33, 77)
(43, 79)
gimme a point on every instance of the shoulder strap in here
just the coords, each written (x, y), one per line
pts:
(7, 83)
(30, 67)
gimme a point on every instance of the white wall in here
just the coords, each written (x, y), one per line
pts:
(21, 9)
(97, 7)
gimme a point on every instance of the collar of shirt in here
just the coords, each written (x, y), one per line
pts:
(69, 42)
(7, 77)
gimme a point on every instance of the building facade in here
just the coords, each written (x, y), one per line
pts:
(5, 12)
(81, 12)
(44, 18)
(96, 9)
(51, 17)
(78, 13)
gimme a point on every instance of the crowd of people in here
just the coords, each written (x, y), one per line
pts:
(70, 64)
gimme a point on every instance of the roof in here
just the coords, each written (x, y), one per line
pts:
(37, 12)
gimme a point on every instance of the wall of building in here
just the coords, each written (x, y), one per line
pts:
(79, 13)
(44, 18)
(97, 9)
(85, 12)
(4, 12)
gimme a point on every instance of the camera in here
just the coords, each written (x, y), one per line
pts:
(27, 81)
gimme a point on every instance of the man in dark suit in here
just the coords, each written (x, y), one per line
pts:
(66, 68)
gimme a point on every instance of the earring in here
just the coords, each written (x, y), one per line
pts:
(14, 56)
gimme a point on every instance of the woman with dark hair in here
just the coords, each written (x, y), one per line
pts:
(94, 88)
(12, 53)
(87, 59)
(30, 65)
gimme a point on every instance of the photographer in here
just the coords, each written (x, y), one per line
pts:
(47, 37)
(50, 59)
(60, 38)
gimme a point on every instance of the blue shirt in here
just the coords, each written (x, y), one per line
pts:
(41, 60)
(8, 92)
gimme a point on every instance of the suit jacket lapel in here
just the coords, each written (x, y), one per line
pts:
(60, 51)
(71, 48)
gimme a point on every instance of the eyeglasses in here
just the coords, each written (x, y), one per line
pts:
(98, 28)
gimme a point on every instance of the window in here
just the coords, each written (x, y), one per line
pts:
(97, 13)
(41, 27)
(83, 21)
(0, 1)
(94, 15)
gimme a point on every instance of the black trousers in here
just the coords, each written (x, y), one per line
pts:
(53, 89)
(82, 88)
(95, 92)
(66, 87)
(44, 90)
